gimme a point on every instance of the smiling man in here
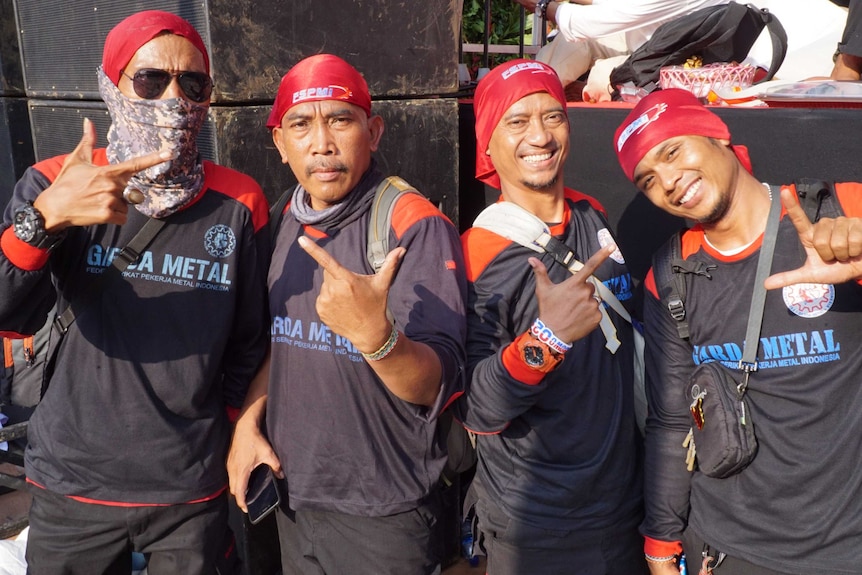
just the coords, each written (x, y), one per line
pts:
(361, 364)
(558, 483)
(797, 508)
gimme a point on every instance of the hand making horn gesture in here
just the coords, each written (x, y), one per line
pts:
(570, 308)
(84, 194)
(833, 247)
(354, 305)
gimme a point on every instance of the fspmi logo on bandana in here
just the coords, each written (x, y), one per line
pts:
(328, 92)
(809, 300)
(220, 241)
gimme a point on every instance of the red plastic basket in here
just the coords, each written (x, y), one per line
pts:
(699, 81)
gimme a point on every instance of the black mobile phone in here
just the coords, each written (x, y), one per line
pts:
(262, 496)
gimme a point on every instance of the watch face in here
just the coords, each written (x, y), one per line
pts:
(534, 356)
(26, 224)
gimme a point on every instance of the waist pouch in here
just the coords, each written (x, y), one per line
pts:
(722, 430)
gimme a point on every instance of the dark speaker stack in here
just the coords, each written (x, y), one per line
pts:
(409, 58)
(16, 144)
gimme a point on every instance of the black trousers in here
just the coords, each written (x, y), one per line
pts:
(68, 537)
(515, 548)
(694, 547)
(329, 543)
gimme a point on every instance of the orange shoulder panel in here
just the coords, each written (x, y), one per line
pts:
(242, 187)
(850, 196)
(480, 247)
(411, 208)
(576, 196)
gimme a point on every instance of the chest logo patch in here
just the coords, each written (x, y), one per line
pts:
(606, 239)
(809, 300)
(219, 241)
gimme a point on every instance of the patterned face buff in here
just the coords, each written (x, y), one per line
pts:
(142, 126)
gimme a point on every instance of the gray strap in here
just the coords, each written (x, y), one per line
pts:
(127, 255)
(758, 298)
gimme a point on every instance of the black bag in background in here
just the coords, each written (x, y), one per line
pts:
(723, 33)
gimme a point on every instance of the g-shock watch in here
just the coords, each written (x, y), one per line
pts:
(29, 227)
(538, 355)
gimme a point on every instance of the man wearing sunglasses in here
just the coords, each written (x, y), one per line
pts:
(126, 449)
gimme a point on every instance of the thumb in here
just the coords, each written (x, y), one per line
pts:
(541, 274)
(84, 150)
(386, 273)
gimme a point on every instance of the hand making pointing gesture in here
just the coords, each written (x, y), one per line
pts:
(833, 247)
(570, 308)
(354, 305)
(84, 194)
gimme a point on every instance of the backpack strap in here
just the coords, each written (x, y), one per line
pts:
(387, 193)
(276, 212)
(779, 41)
(669, 271)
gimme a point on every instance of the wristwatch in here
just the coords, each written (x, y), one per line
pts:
(538, 355)
(29, 227)
(542, 9)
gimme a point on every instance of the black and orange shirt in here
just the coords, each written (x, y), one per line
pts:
(347, 444)
(557, 451)
(135, 412)
(798, 507)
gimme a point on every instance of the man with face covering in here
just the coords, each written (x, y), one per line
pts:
(558, 480)
(361, 364)
(126, 449)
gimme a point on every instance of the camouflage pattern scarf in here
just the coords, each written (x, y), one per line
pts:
(142, 126)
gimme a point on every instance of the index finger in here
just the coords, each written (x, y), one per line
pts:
(596, 260)
(132, 166)
(322, 257)
(795, 212)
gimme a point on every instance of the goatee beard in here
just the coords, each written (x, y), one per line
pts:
(541, 186)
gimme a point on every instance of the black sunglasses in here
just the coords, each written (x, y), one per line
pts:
(150, 83)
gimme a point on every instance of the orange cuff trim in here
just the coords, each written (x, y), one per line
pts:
(658, 548)
(516, 367)
(22, 255)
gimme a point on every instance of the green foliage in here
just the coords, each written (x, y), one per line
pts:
(505, 28)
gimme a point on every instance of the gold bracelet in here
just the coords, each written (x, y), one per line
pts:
(385, 349)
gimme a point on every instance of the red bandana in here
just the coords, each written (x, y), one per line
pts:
(320, 77)
(129, 35)
(666, 114)
(496, 92)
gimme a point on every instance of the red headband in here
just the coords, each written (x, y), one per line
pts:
(319, 77)
(662, 115)
(496, 92)
(129, 35)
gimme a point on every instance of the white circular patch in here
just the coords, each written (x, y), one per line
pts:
(809, 300)
(219, 241)
(606, 239)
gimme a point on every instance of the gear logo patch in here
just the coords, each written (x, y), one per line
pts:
(809, 300)
(219, 241)
(606, 239)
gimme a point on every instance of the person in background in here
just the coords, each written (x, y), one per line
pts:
(796, 509)
(558, 482)
(361, 364)
(848, 58)
(126, 449)
(596, 37)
